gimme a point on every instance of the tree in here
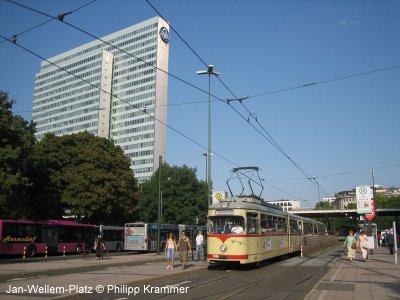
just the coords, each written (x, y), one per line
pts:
(324, 206)
(184, 197)
(381, 201)
(86, 176)
(16, 141)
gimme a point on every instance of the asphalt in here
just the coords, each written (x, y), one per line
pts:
(377, 278)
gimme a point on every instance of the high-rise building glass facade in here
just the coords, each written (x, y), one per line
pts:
(117, 90)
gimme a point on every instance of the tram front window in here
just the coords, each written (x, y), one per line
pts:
(226, 225)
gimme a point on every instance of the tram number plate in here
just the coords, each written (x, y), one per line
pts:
(223, 257)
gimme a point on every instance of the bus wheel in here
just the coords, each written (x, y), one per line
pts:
(118, 248)
(79, 249)
(31, 251)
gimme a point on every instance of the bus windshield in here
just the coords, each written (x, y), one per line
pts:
(226, 225)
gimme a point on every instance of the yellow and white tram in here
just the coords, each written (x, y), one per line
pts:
(248, 230)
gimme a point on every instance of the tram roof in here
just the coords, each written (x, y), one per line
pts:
(251, 203)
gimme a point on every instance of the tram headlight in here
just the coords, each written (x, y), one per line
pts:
(223, 248)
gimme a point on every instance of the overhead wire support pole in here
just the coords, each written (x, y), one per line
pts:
(210, 71)
(159, 205)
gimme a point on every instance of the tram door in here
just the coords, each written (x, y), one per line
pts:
(50, 236)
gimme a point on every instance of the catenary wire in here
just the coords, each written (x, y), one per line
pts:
(269, 138)
(250, 114)
(142, 110)
(47, 21)
(324, 81)
(184, 81)
(126, 102)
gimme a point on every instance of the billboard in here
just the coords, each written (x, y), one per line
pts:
(364, 196)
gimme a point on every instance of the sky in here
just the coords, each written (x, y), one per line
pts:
(321, 77)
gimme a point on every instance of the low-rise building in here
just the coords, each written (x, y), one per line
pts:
(287, 205)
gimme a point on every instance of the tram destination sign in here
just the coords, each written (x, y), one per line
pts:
(364, 195)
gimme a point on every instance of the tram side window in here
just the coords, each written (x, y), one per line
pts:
(270, 224)
(294, 227)
(308, 228)
(252, 223)
(264, 223)
(284, 225)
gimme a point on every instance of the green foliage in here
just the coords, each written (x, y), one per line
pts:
(85, 175)
(381, 201)
(184, 197)
(324, 206)
(16, 141)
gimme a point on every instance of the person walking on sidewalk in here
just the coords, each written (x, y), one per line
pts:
(364, 244)
(199, 246)
(170, 247)
(390, 241)
(99, 247)
(350, 243)
(184, 247)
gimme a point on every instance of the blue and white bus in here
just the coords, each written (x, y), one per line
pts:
(143, 236)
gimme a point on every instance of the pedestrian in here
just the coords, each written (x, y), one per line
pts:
(364, 244)
(350, 243)
(199, 246)
(170, 248)
(99, 247)
(184, 247)
(379, 237)
(390, 241)
(237, 228)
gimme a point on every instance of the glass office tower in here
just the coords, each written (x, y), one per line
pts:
(116, 91)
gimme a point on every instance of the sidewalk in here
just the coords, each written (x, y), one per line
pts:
(61, 279)
(74, 264)
(377, 278)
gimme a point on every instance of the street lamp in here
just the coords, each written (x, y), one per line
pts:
(210, 71)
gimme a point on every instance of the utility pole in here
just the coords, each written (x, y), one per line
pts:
(159, 204)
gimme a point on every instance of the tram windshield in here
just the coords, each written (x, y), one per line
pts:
(226, 225)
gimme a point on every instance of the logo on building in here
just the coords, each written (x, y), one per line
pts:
(164, 34)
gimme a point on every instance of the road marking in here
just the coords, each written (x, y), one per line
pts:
(336, 273)
(177, 284)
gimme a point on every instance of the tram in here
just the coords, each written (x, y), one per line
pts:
(245, 229)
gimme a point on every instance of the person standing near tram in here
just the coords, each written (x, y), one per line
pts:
(184, 246)
(199, 246)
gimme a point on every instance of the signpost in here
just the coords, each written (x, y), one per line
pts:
(364, 197)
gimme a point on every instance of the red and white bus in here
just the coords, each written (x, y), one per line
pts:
(57, 235)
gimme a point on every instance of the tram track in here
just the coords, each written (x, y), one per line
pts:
(301, 278)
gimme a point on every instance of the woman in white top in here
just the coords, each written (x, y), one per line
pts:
(170, 248)
(364, 244)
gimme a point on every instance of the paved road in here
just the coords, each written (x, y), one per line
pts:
(326, 276)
